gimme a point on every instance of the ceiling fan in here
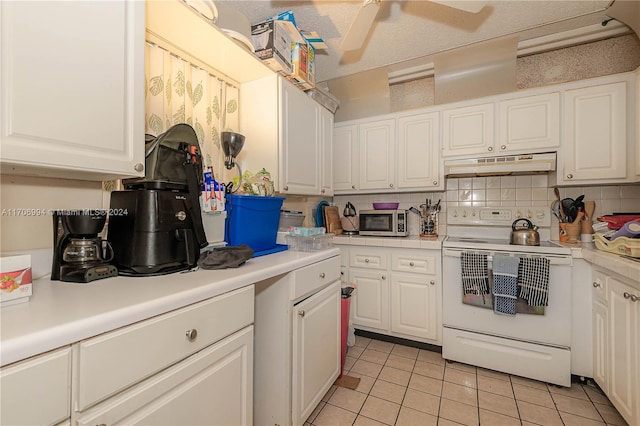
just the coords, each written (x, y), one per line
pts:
(363, 21)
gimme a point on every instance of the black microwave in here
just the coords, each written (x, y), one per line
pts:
(383, 223)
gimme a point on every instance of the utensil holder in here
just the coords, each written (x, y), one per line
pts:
(573, 232)
(429, 226)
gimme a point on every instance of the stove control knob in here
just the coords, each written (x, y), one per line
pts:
(464, 213)
(455, 213)
(540, 214)
(529, 214)
(473, 213)
(518, 213)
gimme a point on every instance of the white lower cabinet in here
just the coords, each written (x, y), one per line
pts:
(314, 349)
(193, 365)
(370, 304)
(397, 292)
(36, 391)
(210, 387)
(414, 305)
(616, 336)
(297, 342)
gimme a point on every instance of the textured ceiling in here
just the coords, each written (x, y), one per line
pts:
(406, 30)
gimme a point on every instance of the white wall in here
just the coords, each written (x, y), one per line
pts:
(26, 222)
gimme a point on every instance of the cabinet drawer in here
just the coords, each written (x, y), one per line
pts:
(36, 391)
(306, 280)
(413, 262)
(369, 259)
(599, 285)
(211, 387)
(113, 361)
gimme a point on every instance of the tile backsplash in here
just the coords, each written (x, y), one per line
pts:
(501, 191)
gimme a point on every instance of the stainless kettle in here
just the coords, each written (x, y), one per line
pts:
(349, 210)
(528, 236)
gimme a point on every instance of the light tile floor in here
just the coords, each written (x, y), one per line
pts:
(402, 385)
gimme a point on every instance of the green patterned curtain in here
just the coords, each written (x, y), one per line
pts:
(180, 92)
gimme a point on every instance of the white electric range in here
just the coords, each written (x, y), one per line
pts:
(536, 341)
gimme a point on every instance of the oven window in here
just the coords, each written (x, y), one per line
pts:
(378, 222)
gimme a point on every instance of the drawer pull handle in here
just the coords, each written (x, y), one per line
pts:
(631, 297)
(569, 176)
(411, 264)
(192, 334)
(322, 275)
(596, 284)
(301, 313)
(384, 278)
(432, 282)
(366, 261)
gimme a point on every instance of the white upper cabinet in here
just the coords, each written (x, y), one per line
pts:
(530, 123)
(418, 151)
(72, 88)
(468, 130)
(376, 153)
(594, 148)
(345, 158)
(299, 142)
(286, 132)
(326, 148)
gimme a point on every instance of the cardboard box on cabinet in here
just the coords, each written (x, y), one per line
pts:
(272, 40)
(304, 66)
(286, 50)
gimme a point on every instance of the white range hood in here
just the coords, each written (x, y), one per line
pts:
(520, 164)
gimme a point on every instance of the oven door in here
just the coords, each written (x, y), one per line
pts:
(553, 328)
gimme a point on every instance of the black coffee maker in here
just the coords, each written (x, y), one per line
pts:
(158, 229)
(79, 255)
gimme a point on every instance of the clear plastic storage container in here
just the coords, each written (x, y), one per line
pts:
(312, 243)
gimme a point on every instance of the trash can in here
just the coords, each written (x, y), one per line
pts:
(344, 323)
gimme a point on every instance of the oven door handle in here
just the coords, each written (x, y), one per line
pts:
(553, 258)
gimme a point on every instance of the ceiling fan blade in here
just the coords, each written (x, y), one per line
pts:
(466, 5)
(361, 25)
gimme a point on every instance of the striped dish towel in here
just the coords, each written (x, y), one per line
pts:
(533, 279)
(475, 273)
(505, 284)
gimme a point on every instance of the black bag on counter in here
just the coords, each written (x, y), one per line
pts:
(165, 156)
(162, 229)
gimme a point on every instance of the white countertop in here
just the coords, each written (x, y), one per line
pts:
(412, 241)
(61, 313)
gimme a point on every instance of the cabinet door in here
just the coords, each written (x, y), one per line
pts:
(36, 391)
(316, 323)
(530, 123)
(414, 305)
(624, 348)
(213, 386)
(595, 134)
(419, 151)
(345, 158)
(370, 301)
(299, 142)
(72, 88)
(600, 345)
(468, 130)
(326, 146)
(377, 154)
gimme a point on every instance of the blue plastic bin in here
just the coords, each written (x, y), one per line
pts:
(253, 221)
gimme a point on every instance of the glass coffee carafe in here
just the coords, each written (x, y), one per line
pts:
(87, 250)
